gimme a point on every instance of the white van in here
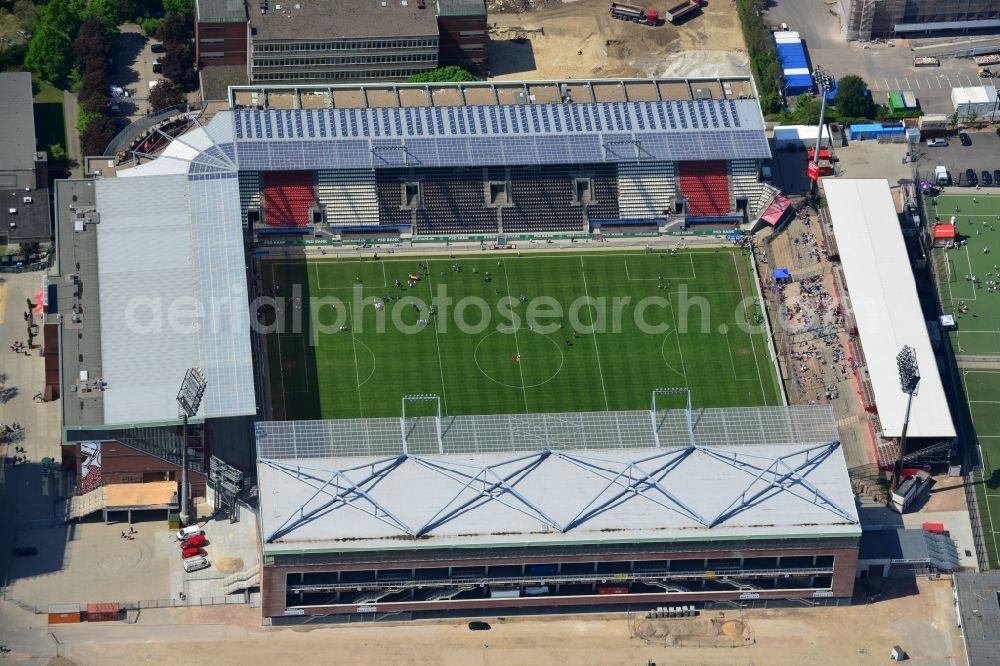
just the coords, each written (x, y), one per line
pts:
(188, 532)
(196, 563)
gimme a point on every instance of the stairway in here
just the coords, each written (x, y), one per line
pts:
(79, 506)
(448, 593)
(373, 596)
(242, 580)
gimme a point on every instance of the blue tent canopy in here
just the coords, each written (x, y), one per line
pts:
(781, 274)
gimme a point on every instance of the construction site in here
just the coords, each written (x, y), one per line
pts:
(553, 40)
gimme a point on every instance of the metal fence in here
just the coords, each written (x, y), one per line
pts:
(139, 127)
(28, 268)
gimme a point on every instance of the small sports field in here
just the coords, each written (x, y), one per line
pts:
(977, 222)
(982, 389)
(977, 309)
(510, 334)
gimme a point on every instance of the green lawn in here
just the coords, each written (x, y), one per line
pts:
(978, 223)
(508, 364)
(49, 125)
(982, 390)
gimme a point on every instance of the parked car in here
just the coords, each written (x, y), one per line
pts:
(157, 48)
(197, 541)
(985, 178)
(996, 177)
(193, 552)
(189, 531)
(964, 138)
(476, 625)
(25, 551)
(157, 67)
(118, 91)
(196, 563)
(970, 178)
(937, 143)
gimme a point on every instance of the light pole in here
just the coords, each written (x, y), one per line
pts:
(909, 381)
(188, 403)
(825, 82)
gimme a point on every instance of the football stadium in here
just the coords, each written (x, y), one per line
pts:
(505, 347)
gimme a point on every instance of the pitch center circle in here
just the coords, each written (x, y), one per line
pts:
(530, 360)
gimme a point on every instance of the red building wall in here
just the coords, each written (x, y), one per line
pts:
(123, 464)
(462, 42)
(220, 44)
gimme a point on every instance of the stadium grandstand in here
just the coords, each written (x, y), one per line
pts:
(887, 316)
(413, 517)
(411, 160)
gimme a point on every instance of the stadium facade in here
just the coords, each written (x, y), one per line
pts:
(386, 518)
(865, 19)
(492, 159)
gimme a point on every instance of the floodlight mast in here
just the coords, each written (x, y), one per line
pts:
(825, 86)
(909, 382)
(188, 403)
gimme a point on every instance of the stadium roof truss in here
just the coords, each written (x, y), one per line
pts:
(648, 477)
(751, 470)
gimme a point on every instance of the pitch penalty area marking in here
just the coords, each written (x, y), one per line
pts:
(690, 256)
(319, 281)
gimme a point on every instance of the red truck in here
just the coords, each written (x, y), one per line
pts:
(635, 14)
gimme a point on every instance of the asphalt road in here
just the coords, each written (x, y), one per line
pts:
(884, 67)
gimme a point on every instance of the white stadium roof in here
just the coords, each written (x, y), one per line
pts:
(173, 286)
(733, 483)
(883, 296)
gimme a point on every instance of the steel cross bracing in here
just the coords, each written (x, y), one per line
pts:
(647, 477)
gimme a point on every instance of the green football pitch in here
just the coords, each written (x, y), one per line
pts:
(978, 223)
(977, 220)
(511, 334)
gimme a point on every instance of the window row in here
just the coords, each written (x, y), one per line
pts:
(344, 74)
(347, 45)
(346, 60)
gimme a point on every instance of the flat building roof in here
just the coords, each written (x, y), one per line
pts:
(885, 303)
(325, 20)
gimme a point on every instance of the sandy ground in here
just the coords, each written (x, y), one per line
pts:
(922, 623)
(578, 39)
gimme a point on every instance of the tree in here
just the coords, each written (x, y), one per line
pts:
(176, 29)
(164, 95)
(105, 12)
(806, 110)
(95, 82)
(151, 26)
(971, 116)
(178, 7)
(178, 64)
(95, 138)
(57, 153)
(853, 99)
(48, 53)
(451, 73)
(60, 15)
(953, 119)
(92, 47)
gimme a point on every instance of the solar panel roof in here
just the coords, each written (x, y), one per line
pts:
(512, 134)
